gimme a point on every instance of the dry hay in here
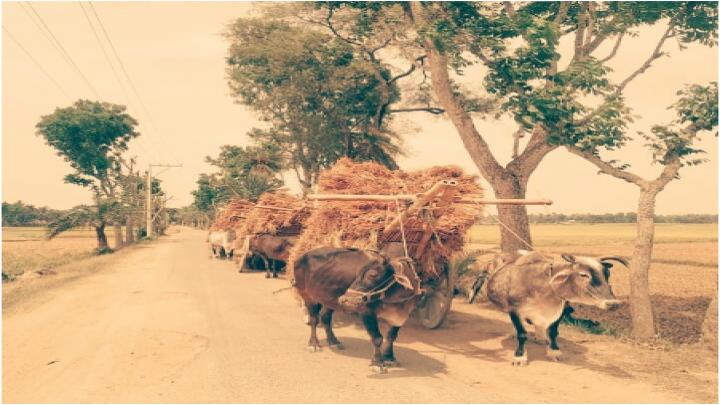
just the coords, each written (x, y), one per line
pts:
(361, 223)
(276, 222)
(231, 215)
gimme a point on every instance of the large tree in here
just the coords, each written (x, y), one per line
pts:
(320, 99)
(514, 48)
(91, 136)
(672, 147)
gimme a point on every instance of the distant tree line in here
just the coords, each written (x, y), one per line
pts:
(616, 218)
(21, 214)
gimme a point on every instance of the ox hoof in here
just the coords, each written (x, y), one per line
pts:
(267, 275)
(378, 369)
(520, 361)
(337, 346)
(555, 355)
(313, 348)
(391, 363)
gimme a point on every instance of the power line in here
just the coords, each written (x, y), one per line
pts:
(127, 76)
(115, 73)
(37, 64)
(102, 48)
(64, 52)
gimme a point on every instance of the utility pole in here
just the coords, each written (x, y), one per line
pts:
(148, 198)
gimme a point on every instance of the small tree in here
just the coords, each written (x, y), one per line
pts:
(672, 148)
(91, 136)
(84, 215)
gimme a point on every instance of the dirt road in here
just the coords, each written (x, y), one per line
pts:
(167, 324)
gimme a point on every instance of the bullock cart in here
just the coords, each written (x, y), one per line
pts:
(411, 233)
(423, 215)
(277, 218)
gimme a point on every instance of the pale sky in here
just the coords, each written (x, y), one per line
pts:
(174, 54)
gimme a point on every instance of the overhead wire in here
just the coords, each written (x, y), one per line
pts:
(63, 51)
(127, 97)
(37, 64)
(127, 76)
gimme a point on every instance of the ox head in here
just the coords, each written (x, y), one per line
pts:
(585, 280)
(376, 279)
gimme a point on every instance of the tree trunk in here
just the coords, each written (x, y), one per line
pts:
(117, 233)
(514, 217)
(643, 324)
(129, 225)
(101, 238)
(710, 326)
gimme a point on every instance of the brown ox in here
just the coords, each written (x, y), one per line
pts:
(534, 289)
(272, 250)
(361, 281)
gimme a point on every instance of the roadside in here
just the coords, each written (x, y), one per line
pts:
(165, 323)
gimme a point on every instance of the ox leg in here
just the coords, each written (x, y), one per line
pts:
(553, 348)
(275, 268)
(520, 358)
(313, 315)
(326, 318)
(388, 352)
(266, 262)
(371, 325)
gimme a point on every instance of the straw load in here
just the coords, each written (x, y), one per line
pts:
(361, 224)
(276, 213)
(231, 215)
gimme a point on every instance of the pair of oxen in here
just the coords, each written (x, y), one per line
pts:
(531, 287)
(272, 250)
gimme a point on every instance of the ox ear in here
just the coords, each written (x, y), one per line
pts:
(398, 266)
(560, 278)
(568, 258)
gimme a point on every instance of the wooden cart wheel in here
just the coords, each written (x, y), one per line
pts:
(437, 301)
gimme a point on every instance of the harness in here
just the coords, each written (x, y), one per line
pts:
(378, 293)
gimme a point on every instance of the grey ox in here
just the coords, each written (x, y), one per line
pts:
(533, 288)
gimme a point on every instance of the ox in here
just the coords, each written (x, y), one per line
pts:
(221, 243)
(531, 287)
(360, 281)
(271, 250)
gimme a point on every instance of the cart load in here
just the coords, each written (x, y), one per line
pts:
(379, 209)
(276, 213)
(231, 215)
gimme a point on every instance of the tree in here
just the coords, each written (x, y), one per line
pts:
(321, 100)
(21, 214)
(517, 46)
(84, 215)
(91, 136)
(672, 148)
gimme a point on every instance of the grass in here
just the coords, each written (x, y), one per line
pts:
(25, 249)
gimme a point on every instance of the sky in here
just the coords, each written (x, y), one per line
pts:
(174, 55)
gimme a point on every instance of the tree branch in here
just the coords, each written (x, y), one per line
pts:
(431, 110)
(408, 72)
(615, 48)
(607, 168)
(654, 55)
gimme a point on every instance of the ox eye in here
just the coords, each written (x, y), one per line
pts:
(584, 275)
(372, 274)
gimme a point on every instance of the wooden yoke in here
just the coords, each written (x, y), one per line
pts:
(423, 200)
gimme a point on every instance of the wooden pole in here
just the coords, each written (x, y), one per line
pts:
(421, 201)
(413, 197)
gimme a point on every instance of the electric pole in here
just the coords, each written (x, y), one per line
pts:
(148, 196)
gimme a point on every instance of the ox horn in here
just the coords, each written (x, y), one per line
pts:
(616, 258)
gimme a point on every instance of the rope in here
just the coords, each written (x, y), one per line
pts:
(402, 228)
(507, 228)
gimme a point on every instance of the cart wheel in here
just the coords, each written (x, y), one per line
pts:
(435, 305)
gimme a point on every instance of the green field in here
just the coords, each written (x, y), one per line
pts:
(548, 235)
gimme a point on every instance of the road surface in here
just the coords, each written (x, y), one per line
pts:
(165, 323)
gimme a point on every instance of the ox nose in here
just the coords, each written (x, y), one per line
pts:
(611, 305)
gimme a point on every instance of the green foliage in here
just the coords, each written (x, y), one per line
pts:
(21, 214)
(322, 101)
(82, 215)
(89, 135)
(697, 110)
